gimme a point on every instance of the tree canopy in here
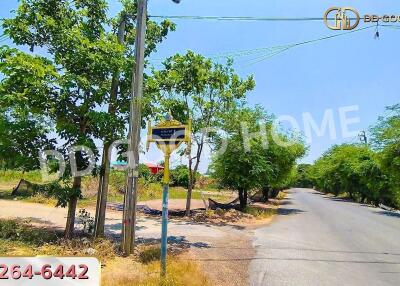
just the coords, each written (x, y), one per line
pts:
(259, 165)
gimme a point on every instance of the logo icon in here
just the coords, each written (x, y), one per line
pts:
(345, 18)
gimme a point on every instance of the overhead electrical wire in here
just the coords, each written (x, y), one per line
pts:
(265, 53)
(241, 18)
(265, 57)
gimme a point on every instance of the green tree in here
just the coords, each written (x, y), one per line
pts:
(193, 87)
(255, 162)
(71, 84)
(386, 141)
(180, 176)
(22, 137)
(303, 176)
(350, 169)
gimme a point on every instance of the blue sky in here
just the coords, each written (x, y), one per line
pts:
(351, 70)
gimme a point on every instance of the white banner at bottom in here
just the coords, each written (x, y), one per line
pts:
(49, 271)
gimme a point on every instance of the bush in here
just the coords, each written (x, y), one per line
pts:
(180, 176)
(145, 173)
(117, 181)
(149, 254)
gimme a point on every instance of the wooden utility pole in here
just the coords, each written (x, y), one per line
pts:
(105, 165)
(130, 201)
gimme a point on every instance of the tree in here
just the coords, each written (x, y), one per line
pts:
(23, 136)
(284, 149)
(303, 177)
(350, 169)
(239, 170)
(262, 166)
(71, 84)
(180, 176)
(193, 87)
(386, 141)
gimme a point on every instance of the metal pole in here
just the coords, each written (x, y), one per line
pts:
(130, 201)
(164, 227)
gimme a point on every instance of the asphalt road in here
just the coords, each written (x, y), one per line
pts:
(320, 240)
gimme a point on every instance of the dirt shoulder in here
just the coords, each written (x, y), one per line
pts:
(227, 260)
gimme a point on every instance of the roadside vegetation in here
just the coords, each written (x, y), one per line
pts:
(150, 187)
(366, 173)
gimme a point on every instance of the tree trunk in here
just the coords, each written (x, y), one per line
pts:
(105, 166)
(69, 228)
(102, 192)
(190, 187)
(265, 192)
(192, 174)
(243, 199)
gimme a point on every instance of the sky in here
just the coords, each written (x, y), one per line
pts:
(351, 70)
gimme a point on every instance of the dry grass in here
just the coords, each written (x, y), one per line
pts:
(125, 271)
(260, 213)
(281, 196)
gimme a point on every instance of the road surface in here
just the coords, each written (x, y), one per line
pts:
(321, 240)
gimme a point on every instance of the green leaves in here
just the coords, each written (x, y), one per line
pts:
(71, 84)
(262, 165)
(386, 141)
(21, 138)
(205, 90)
(353, 170)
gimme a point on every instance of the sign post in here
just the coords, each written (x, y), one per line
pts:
(169, 134)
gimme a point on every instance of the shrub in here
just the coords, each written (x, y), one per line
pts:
(149, 254)
(180, 176)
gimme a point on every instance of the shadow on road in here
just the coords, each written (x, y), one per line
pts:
(285, 202)
(180, 241)
(285, 211)
(389, 213)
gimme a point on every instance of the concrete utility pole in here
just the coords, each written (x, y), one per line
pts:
(130, 201)
(105, 172)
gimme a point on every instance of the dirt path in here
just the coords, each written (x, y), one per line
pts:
(224, 252)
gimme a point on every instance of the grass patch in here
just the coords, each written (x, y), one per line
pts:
(13, 176)
(123, 272)
(13, 230)
(260, 213)
(21, 238)
(149, 254)
(281, 196)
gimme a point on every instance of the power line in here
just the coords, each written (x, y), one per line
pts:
(243, 18)
(269, 52)
(257, 60)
